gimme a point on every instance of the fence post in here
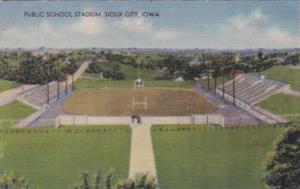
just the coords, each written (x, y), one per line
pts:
(206, 119)
(56, 121)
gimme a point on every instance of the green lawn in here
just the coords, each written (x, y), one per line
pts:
(54, 158)
(210, 158)
(285, 73)
(132, 73)
(92, 83)
(283, 105)
(13, 112)
(6, 85)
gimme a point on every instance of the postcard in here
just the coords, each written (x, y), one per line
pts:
(149, 94)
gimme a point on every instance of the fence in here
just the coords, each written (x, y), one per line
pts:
(92, 120)
(7, 100)
(112, 120)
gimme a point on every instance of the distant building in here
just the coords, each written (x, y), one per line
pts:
(196, 61)
(102, 59)
(179, 79)
(205, 76)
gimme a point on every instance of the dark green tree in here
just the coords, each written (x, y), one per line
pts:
(140, 181)
(10, 181)
(283, 163)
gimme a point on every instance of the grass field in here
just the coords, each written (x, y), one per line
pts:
(14, 111)
(210, 159)
(6, 85)
(116, 102)
(283, 105)
(55, 158)
(285, 73)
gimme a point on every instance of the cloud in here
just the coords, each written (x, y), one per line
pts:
(254, 31)
(134, 25)
(87, 26)
(74, 34)
(87, 32)
(241, 22)
(143, 27)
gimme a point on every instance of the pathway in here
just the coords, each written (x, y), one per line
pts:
(141, 156)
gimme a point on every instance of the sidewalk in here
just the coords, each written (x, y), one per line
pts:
(141, 156)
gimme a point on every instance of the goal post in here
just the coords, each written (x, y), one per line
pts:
(144, 103)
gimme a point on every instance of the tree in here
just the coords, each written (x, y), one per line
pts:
(95, 181)
(94, 67)
(140, 181)
(283, 163)
(10, 181)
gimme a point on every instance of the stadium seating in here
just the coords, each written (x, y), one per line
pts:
(251, 88)
(38, 96)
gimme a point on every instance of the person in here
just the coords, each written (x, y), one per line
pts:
(139, 120)
(133, 118)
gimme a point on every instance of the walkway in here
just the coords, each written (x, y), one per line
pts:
(141, 156)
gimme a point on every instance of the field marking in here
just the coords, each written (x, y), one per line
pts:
(141, 152)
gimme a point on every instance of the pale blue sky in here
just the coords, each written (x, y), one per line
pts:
(189, 24)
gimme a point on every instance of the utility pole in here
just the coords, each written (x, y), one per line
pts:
(248, 63)
(207, 72)
(215, 77)
(57, 81)
(73, 86)
(223, 83)
(48, 88)
(66, 85)
(233, 87)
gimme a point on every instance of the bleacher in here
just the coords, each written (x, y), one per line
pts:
(38, 96)
(251, 88)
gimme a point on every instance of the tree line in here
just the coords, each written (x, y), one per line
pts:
(174, 66)
(109, 70)
(31, 69)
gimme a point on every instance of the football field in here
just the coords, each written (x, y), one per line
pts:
(118, 102)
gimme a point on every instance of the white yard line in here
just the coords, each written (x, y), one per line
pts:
(141, 156)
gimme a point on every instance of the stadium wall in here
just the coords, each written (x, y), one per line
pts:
(216, 119)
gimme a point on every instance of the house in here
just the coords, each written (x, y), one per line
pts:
(179, 79)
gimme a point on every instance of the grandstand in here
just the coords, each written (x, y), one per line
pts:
(38, 96)
(249, 89)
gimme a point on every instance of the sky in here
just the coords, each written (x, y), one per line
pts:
(181, 24)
